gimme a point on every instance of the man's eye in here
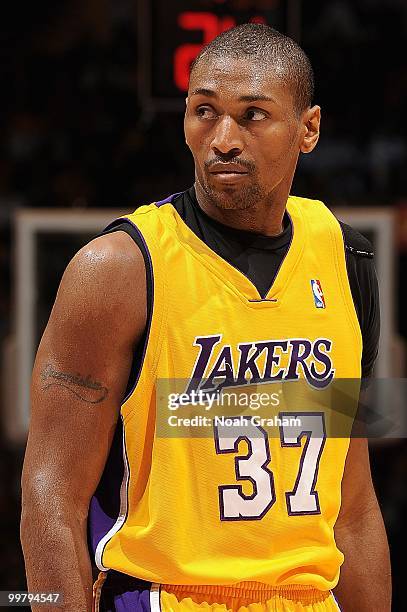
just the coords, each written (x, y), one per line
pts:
(205, 112)
(254, 114)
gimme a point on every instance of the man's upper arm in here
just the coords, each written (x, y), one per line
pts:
(82, 367)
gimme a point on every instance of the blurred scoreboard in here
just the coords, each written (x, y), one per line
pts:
(171, 34)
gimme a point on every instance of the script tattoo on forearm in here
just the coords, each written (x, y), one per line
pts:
(88, 390)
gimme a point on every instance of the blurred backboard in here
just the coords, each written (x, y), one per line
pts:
(46, 240)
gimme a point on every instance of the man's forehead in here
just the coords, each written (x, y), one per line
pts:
(246, 77)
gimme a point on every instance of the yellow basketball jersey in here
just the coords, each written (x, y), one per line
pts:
(219, 487)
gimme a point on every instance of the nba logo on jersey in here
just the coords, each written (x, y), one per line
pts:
(318, 293)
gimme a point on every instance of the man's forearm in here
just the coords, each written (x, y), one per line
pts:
(56, 557)
(365, 580)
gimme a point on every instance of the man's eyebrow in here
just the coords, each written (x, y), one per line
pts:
(202, 91)
(256, 98)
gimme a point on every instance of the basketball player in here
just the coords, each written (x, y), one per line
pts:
(231, 283)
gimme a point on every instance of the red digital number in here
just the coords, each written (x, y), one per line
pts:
(211, 26)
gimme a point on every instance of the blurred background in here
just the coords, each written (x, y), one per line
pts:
(92, 95)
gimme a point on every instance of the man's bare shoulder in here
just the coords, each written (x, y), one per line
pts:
(114, 258)
(106, 281)
(115, 251)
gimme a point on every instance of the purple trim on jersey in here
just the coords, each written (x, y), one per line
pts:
(126, 476)
(124, 597)
(264, 299)
(105, 504)
(99, 523)
(167, 200)
(133, 601)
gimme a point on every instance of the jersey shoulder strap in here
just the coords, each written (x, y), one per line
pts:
(355, 242)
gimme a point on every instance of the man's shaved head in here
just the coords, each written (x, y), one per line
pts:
(265, 45)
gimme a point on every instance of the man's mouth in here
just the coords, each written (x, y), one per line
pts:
(228, 172)
(227, 168)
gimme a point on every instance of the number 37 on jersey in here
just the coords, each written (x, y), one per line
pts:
(257, 467)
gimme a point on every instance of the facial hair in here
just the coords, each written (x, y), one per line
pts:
(243, 198)
(231, 197)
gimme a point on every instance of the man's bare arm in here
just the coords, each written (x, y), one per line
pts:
(365, 580)
(79, 379)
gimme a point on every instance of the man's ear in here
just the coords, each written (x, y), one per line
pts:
(311, 122)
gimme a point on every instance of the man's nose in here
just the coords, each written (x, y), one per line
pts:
(227, 139)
